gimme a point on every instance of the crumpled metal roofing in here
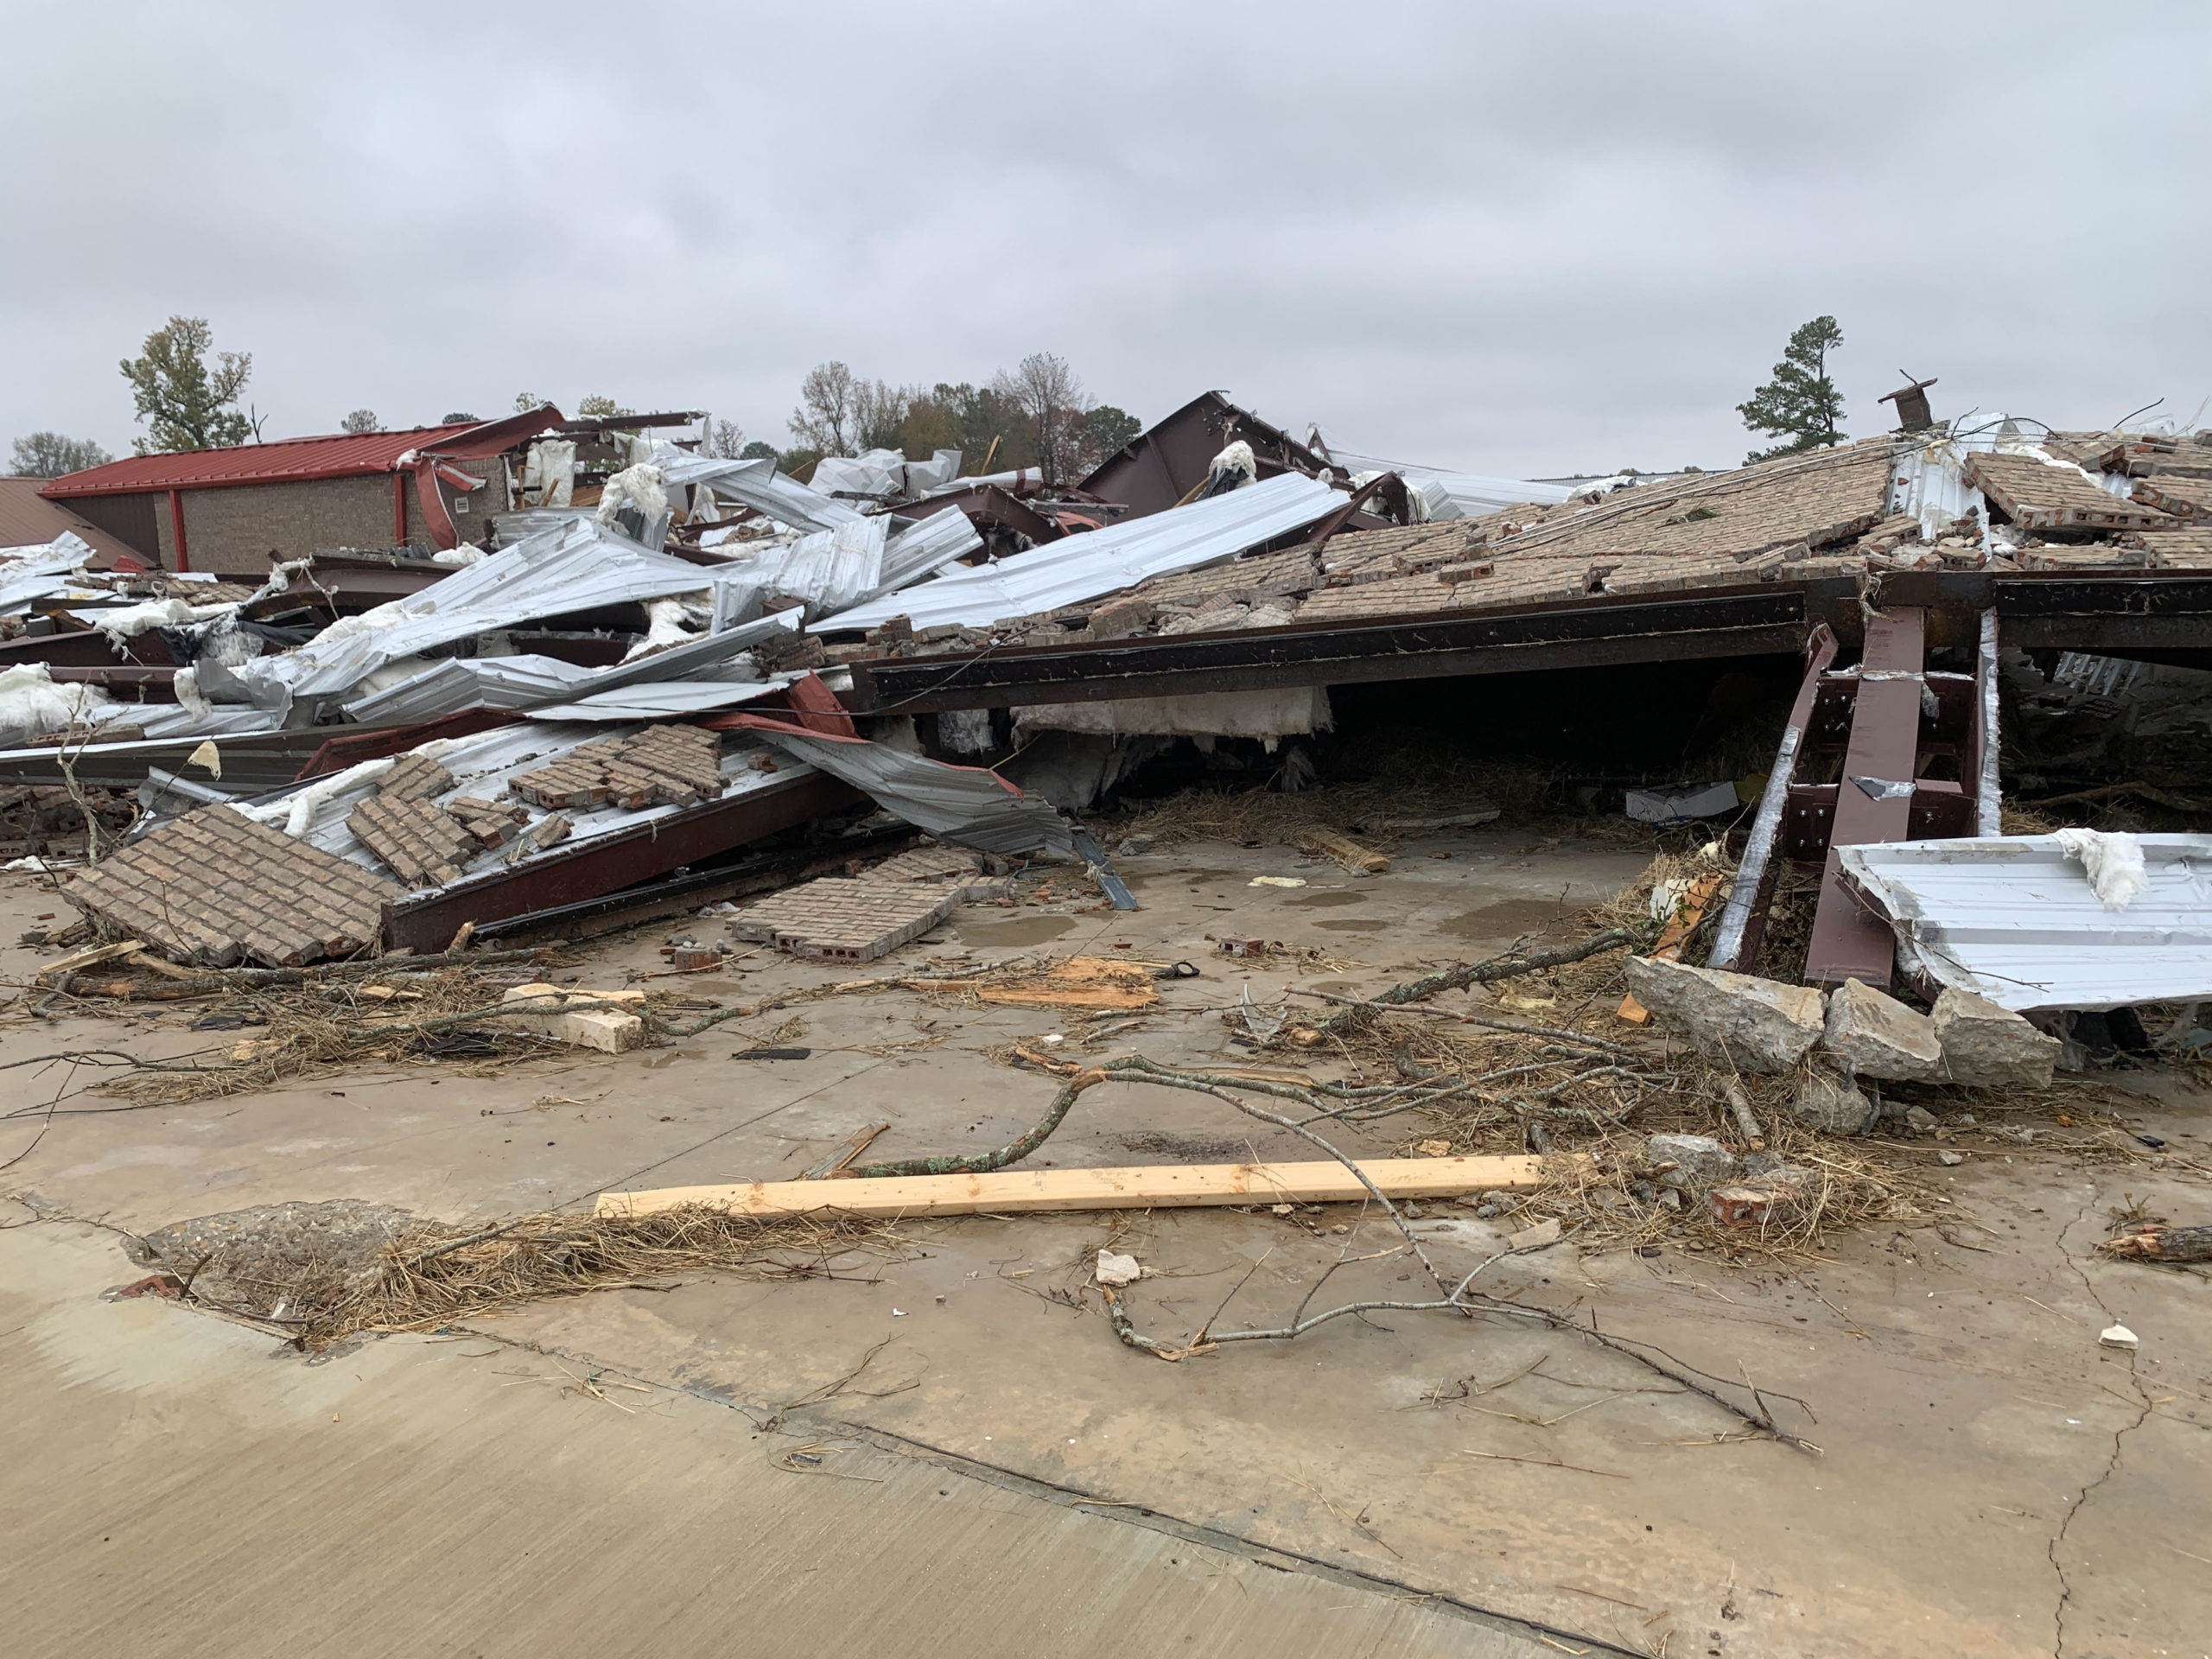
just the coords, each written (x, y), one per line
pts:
(967, 804)
(884, 473)
(530, 680)
(2012, 919)
(1461, 495)
(662, 700)
(757, 484)
(578, 567)
(30, 573)
(1099, 562)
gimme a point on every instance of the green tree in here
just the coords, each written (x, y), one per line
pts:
(1801, 404)
(49, 455)
(1111, 428)
(184, 403)
(527, 401)
(758, 450)
(455, 416)
(361, 421)
(601, 409)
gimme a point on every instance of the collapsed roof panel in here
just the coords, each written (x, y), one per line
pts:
(1101, 561)
(2040, 493)
(577, 567)
(216, 888)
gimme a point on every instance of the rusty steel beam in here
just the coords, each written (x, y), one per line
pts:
(1874, 800)
(1743, 918)
(425, 922)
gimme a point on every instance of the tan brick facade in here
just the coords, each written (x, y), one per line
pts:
(233, 530)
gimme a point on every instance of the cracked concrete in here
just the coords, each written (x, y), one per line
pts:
(1993, 1484)
(2075, 1242)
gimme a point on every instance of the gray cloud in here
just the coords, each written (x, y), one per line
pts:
(1515, 239)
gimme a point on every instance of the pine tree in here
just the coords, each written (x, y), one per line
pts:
(1801, 404)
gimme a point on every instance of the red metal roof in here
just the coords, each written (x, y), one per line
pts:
(343, 455)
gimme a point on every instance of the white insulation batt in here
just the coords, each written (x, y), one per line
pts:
(1293, 711)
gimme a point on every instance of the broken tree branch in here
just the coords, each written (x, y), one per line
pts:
(1482, 973)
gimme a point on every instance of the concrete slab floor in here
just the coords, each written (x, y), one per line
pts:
(1992, 1481)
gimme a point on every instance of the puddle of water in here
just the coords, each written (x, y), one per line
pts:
(1184, 878)
(1506, 919)
(1353, 923)
(1328, 898)
(1026, 930)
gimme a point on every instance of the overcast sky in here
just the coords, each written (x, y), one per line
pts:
(1519, 240)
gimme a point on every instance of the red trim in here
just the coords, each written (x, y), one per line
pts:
(176, 528)
(399, 509)
(436, 518)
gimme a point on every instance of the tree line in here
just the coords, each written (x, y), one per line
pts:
(1035, 415)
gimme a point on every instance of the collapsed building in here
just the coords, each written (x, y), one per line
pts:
(657, 677)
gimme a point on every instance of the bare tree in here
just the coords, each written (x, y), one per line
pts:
(880, 410)
(827, 420)
(361, 421)
(840, 413)
(49, 455)
(1049, 393)
(725, 442)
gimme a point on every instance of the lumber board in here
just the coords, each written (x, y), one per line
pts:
(1143, 1187)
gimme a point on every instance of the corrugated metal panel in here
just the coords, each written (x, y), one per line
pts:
(1101, 561)
(757, 484)
(662, 700)
(341, 455)
(30, 573)
(2014, 919)
(1461, 495)
(1928, 479)
(532, 682)
(578, 568)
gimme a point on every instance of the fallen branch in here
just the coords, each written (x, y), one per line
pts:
(1015, 1150)
(2158, 1243)
(1481, 973)
(1555, 1034)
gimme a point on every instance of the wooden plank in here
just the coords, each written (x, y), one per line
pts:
(1143, 1187)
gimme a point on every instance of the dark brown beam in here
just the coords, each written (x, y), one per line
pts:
(1847, 942)
(607, 863)
(1590, 634)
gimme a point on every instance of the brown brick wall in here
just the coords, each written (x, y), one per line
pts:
(233, 530)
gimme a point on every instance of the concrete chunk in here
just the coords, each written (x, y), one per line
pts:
(1699, 1160)
(584, 1018)
(1827, 1099)
(1985, 1047)
(1877, 1036)
(1756, 1025)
